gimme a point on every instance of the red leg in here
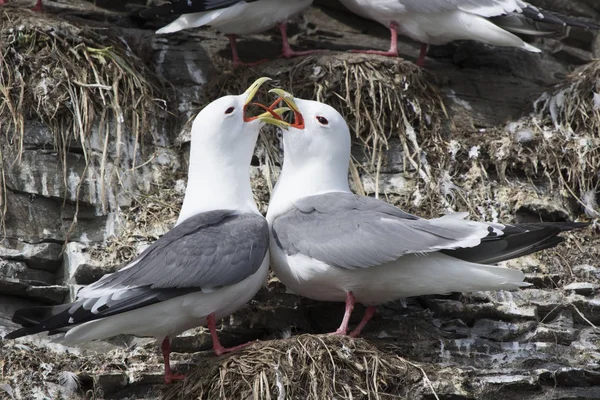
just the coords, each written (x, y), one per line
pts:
(217, 346)
(236, 58)
(38, 6)
(369, 312)
(350, 301)
(287, 51)
(3, 2)
(422, 55)
(393, 51)
(166, 350)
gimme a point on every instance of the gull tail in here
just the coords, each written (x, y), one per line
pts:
(39, 319)
(535, 22)
(516, 241)
(187, 21)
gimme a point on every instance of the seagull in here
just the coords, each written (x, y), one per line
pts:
(329, 244)
(443, 21)
(208, 266)
(233, 17)
(38, 5)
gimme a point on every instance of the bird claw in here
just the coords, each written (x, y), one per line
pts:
(219, 350)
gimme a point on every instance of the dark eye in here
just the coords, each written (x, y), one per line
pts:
(229, 110)
(322, 120)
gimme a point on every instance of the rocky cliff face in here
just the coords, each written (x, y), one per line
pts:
(503, 134)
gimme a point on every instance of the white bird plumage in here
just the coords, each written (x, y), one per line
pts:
(328, 244)
(239, 17)
(442, 21)
(176, 284)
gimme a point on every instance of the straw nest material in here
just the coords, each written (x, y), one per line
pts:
(304, 367)
(87, 86)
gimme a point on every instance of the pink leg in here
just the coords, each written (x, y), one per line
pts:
(287, 51)
(350, 301)
(393, 51)
(217, 347)
(166, 350)
(3, 2)
(38, 6)
(369, 312)
(422, 55)
(236, 58)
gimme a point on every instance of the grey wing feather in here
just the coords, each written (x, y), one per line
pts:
(484, 8)
(209, 250)
(350, 231)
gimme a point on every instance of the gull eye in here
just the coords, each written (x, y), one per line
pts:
(229, 110)
(322, 120)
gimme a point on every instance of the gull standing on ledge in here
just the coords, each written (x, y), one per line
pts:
(329, 244)
(208, 266)
(233, 18)
(443, 21)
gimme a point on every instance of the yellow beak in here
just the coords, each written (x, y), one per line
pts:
(288, 99)
(253, 89)
(268, 118)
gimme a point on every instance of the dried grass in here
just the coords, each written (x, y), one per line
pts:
(74, 80)
(306, 367)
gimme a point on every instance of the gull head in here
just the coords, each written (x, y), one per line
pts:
(319, 134)
(224, 126)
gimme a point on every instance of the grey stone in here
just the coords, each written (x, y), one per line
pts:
(583, 288)
(17, 271)
(53, 294)
(44, 256)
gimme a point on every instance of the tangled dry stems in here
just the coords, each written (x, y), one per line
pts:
(74, 80)
(306, 367)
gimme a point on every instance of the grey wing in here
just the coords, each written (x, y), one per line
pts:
(210, 250)
(350, 231)
(484, 8)
(207, 251)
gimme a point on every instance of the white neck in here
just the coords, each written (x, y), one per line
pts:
(309, 179)
(216, 181)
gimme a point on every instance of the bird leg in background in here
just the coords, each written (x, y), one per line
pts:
(393, 51)
(166, 351)
(369, 312)
(287, 51)
(217, 346)
(236, 58)
(421, 60)
(3, 2)
(38, 6)
(350, 301)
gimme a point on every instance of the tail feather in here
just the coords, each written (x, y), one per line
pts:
(517, 241)
(556, 18)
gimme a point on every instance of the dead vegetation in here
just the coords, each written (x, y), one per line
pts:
(96, 97)
(304, 367)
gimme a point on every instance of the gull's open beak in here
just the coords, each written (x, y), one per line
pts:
(273, 116)
(288, 99)
(250, 93)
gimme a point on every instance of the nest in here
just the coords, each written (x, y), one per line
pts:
(88, 88)
(304, 367)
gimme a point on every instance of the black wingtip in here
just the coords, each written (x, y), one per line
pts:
(556, 18)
